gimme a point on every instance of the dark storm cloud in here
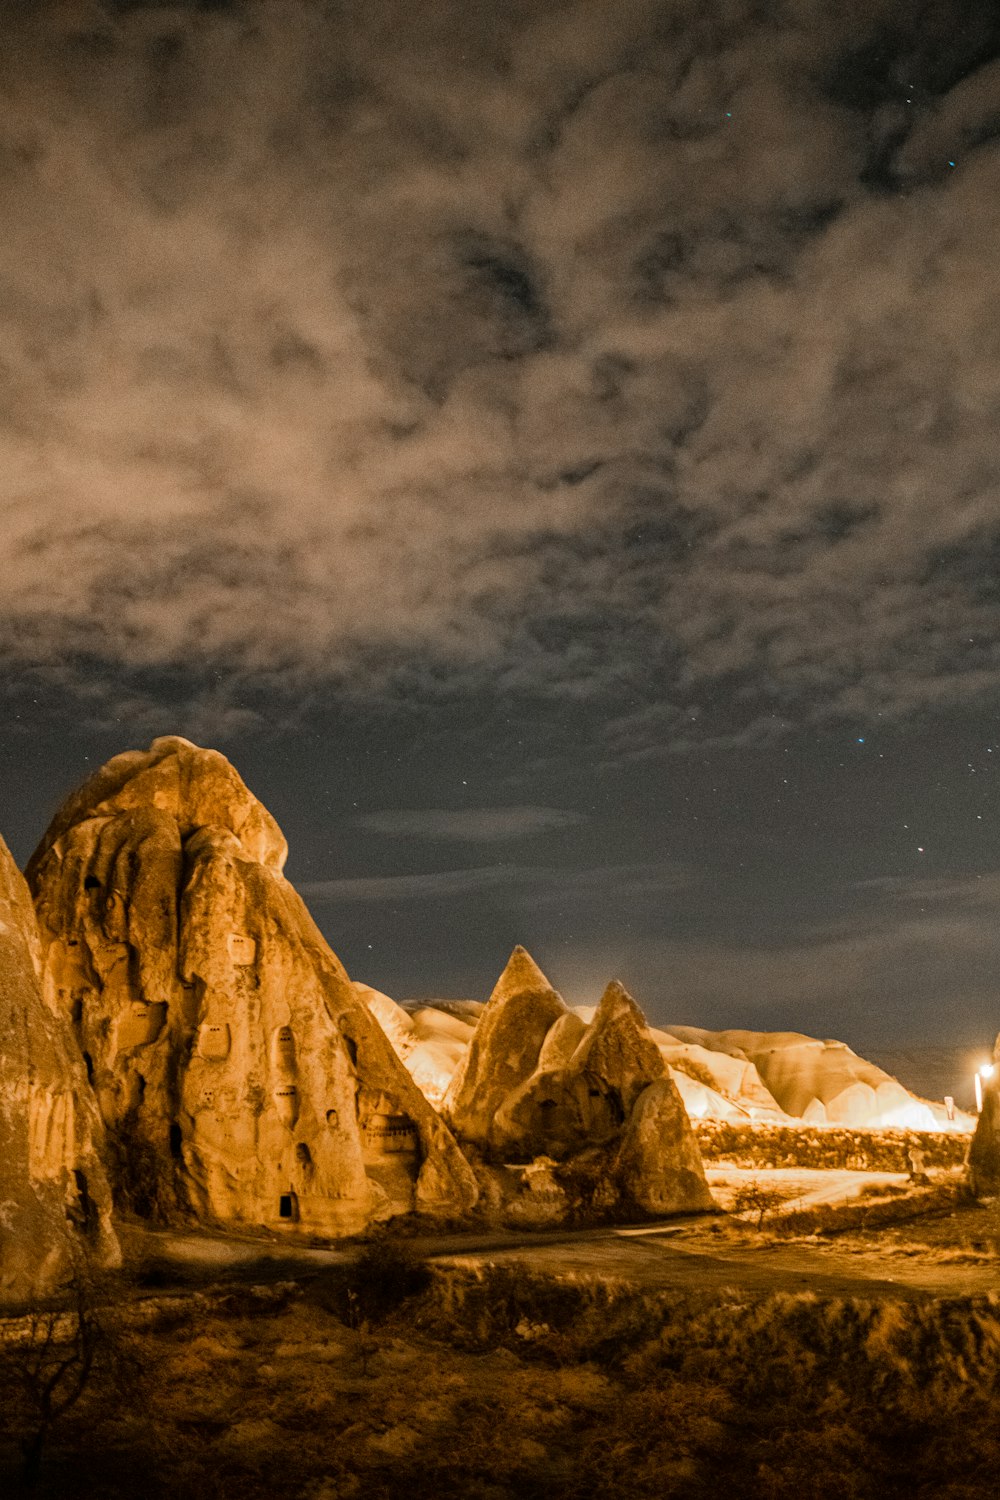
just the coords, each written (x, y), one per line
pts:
(650, 359)
(474, 825)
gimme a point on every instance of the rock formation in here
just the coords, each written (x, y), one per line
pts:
(657, 1168)
(573, 1121)
(823, 1082)
(239, 1074)
(586, 1097)
(717, 1084)
(504, 1049)
(983, 1168)
(429, 1042)
(55, 1204)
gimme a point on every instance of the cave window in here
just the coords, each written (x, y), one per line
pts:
(175, 1140)
(91, 883)
(332, 1119)
(141, 1085)
(88, 1208)
(76, 1015)
(288, 1206)
(352, 1050)
(89, 1061)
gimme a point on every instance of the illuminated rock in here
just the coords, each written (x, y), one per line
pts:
(657, 1168)
(983, 1168)
(429, 1042)
(55, 1204)
(824, 1081)
(820, 1082)
(237, 1070)
(595, 1130)
(587, 1100)
(504, 1049)
(716, 1084)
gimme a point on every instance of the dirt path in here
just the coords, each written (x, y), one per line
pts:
(696, 1254)
(651, 1260)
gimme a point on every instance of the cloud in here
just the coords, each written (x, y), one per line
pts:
(428, 885)
(541, 886)
(397, 347)
(474, 825)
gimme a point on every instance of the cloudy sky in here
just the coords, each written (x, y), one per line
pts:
(552, 449)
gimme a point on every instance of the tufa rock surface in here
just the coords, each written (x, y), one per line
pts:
(823, 1081)
(658, 1168)
(572, 1122)
(586, 1100)
(504, 1049)
(983, 1167)
(241, 1077)
(429, 1042)
(55, 1204)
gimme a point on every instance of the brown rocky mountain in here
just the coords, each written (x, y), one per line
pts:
(240, 1077)
(55, 1203)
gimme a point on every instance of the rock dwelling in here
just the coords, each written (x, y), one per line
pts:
(240, 1077)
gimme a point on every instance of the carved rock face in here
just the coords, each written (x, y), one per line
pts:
(228, 1050)
(55, 1204)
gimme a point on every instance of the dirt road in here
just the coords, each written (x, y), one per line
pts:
(697, 1254)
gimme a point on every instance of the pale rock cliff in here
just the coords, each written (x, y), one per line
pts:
(241, 1078)
(55, 1203)
(823, 1082)
(429, 1042)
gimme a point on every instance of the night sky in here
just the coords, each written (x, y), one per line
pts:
(554, 451)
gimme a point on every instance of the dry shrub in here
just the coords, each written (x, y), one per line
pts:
(756, 1200)
(76, 1346)
(610, 1391)
(385, 1274)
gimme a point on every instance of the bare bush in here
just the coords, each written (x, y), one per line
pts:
(756, 1199)
(52, 1355)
